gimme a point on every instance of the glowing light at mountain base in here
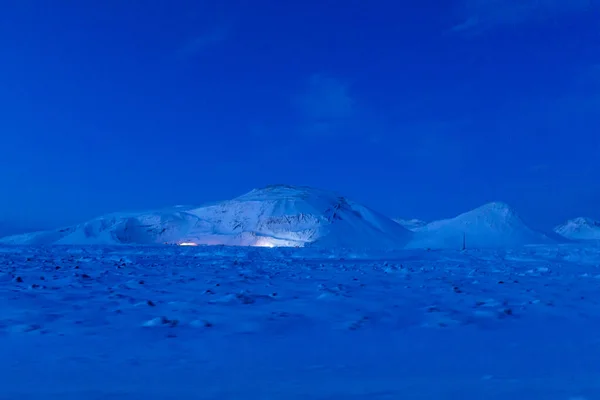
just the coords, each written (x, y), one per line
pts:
(264, 243)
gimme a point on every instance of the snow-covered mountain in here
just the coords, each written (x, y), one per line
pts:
(142, 228)
(494, 225)
(411, 224)
(277, 215)
(579, 229)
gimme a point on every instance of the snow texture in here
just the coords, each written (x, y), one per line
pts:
(579, 229)
(411, 224)
(160, 322)
(494, 225)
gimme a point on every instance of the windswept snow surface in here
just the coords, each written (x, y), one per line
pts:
(579, 229)
(494, 225)
(411, 224)
(248, 323)
(277, 215)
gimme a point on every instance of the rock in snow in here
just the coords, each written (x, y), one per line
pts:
(579, 229)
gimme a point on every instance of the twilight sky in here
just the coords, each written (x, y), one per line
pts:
(416, 108)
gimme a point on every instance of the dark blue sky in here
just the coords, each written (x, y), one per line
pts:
(418, 109)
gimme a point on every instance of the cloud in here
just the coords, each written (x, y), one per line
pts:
(325, 105)
(206, 40)
(482, 15)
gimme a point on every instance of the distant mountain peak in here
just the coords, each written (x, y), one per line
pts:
(275, 186)
(584, 221)
(280, 191)
(284, 187)
(494, 224)
(580, 228)
(497, 207)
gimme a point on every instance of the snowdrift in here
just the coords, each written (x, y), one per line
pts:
(277, 215)
(494, 225)
(579, 229)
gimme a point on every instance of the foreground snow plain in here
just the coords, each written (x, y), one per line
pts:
(250, 323)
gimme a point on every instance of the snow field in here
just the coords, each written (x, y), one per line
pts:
(219, 323)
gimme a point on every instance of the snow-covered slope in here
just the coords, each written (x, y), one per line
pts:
(277, 215)
(494, 225)
(296, 216)
(151, 227)
(38, 238)
(411, 224)
(579, 229)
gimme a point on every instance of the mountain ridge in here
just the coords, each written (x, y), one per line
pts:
(276, 215)
(296, 216)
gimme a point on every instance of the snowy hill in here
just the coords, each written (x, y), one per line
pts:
(282, 215)
(142, 228)
(277, 215)
(494, 225)
(579, 229)
(411, 224)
